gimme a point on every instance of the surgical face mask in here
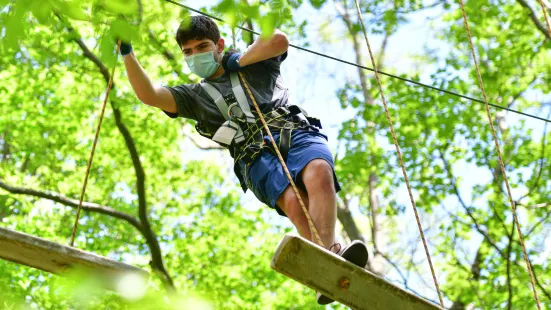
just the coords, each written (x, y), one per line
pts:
(202, 64)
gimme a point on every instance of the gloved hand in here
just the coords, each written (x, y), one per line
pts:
(126, 48)
(230, 61)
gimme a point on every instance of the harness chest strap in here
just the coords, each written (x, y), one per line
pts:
(217, 97)
(224, 109)
(239, 94)
(244, 111)
(251, 136)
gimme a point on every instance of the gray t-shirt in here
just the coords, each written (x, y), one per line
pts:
(264, 80)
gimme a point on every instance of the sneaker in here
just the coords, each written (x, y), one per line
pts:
(356, 253)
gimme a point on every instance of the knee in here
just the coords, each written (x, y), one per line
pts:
(318, 171)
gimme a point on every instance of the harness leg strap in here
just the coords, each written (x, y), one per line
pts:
(285, 142)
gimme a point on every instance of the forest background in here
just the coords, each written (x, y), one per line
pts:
(162, 198)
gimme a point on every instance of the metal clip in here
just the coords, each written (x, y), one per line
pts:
(231, 107)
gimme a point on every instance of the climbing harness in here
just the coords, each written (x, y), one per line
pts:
(313, 229)
(254, 125)
(243, 132)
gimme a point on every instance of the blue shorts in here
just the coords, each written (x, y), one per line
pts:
(267, 179)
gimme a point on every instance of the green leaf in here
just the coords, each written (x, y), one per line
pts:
(108, 49)
(15, 29)
(122, 6)
(227, 6)
(121, 29)
(317, 3)
(252, 12)
(73, 9)
(230, 11)
(42, 11)
(3, 3)
(267, 25)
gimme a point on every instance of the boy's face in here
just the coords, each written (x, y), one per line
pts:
(192, 47)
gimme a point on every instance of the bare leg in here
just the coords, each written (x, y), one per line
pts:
(288, 202)
(320, 202)
(318, 180)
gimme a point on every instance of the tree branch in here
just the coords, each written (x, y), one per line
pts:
(404, 279)
(542, 157)
(87, 206)
(157, 259)
(383, 49)
(540, 222)
(374, 205)
(343, 12)
(475, 272)
(206, 144)
(428, 6)
(376, 264)
(203, 146)
(345, 217)
(464, 205)
(541, 27)
(520, 93)
(168, 55)
(140, 11)
(88, 54)
(538, 283)
(5, 146)
(250, 39)
(536, 206)
(510, 236)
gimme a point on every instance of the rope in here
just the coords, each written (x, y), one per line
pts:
(399, 156)
(370, 69)
(545, 16)
(109, 84)
(274, 144)
(502, 166)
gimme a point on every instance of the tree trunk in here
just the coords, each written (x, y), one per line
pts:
(5, 146)
(345, 217)
(376, 263)
(475, 272)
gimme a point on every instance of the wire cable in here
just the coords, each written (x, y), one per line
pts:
(371, 69)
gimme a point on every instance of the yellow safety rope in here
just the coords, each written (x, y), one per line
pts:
(545, 16)
(274, 144)
(109, 84)
(376, 71)
(502, 166)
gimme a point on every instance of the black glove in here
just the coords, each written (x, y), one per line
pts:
(230, 61)
(126, 48)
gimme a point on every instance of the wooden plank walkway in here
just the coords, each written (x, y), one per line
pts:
(56, 258)
(341, 280)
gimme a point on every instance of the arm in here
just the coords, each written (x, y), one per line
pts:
(263, 49)
(148, 93)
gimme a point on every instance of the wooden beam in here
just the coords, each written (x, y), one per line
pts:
(56, 258)
(339, 279)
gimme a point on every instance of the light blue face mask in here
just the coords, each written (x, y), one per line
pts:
(202, 64)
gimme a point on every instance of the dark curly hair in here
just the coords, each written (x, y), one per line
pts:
(197, 28)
